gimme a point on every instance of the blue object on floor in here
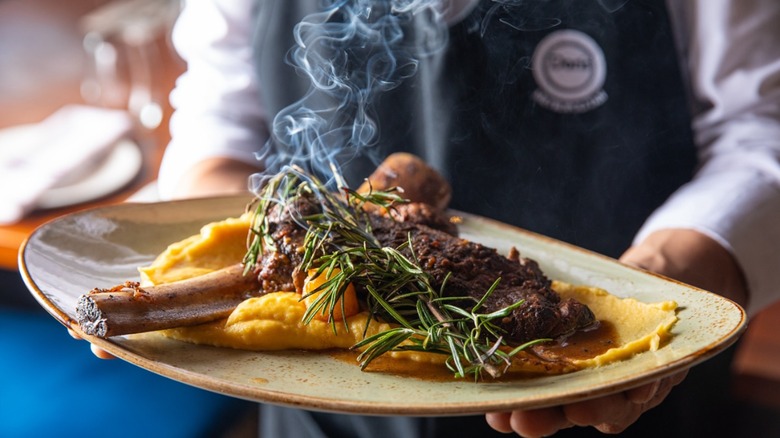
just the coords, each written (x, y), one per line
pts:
(52, 385)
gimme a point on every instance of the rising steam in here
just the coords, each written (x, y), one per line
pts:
(352, 52)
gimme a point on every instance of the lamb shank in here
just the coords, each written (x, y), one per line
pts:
(460, 268)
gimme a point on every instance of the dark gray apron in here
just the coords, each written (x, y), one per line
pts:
(590, 178)
(588, 173)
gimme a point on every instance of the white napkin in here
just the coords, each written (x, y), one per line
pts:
(68, 143)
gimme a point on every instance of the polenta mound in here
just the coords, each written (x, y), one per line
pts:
(274, 321)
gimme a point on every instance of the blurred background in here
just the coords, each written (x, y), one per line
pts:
(84, 84)
(83, 122)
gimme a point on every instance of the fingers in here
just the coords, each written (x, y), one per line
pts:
(499, 421)
(97, 351)
(645, 258)
(100, 353)
(530, 424)
(646, 393)
(615, 413)
(609, 414)
(539, 422)
(73, 334)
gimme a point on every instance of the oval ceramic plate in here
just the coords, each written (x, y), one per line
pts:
(102, 247)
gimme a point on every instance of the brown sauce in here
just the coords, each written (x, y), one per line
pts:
(552, 358)
(585, 344)
(405, 368)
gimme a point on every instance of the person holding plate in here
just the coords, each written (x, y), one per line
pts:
(641, 130)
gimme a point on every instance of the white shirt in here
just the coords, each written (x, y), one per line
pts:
(730, 49)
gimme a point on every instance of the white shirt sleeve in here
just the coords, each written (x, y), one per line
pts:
(217, 110)
(733, 58)
(732, 50)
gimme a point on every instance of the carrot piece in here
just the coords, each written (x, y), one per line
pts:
(346, 306)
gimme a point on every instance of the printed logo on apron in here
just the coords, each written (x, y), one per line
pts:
(569, 69)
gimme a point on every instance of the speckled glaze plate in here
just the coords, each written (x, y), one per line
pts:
(102, 247)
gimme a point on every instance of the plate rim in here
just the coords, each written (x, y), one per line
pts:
(245, 391)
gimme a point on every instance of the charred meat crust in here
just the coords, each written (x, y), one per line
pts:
(472, 270)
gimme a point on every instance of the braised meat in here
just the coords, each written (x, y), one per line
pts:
(472, 269)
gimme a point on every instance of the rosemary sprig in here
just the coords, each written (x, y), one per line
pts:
(340, 243)
(278, 191)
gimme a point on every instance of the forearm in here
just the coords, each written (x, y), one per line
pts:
(218, 123)
(214, 176)
(733, 58)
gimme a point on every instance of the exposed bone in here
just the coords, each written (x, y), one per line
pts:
(129, 308)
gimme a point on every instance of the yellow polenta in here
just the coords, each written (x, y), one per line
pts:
(639, 326)
(218, 245)
(274, 321)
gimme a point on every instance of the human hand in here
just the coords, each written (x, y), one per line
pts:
(215, 176)
(609, 414)
(97, 351)
(685, 255)
(691, 257)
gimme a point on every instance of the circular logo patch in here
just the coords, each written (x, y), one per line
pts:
(569, 69)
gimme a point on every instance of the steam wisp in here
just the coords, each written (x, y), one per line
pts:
(351, 52)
